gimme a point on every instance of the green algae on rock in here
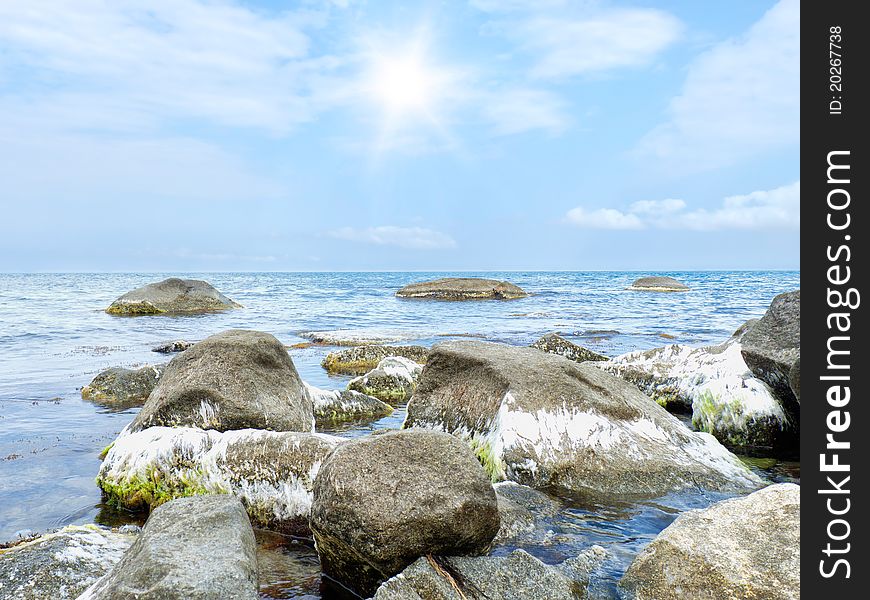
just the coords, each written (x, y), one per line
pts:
(393, 380)
(122, 388)
(462, 288)
(171, 297)
(332, 407)
(358, 360)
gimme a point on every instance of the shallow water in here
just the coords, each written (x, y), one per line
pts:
(54, 337)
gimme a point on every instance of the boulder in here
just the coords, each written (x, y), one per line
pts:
(62, 564)
(382, 501)
(517, 576)
(392, 381)
(658, 284)
(332, 407)
(543, 420)
(462, 288)
(556, 344)
(199, 548)
(122, 388)
(741, 548)
(522, 511)
(361, 359)
(358, 337)
(794, 379)
(773, 345)
(232, 380)
(171, 296)
(172, 347)
(271, 472)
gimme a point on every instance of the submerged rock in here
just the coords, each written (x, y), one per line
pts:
(658, 284)
(60, 565)
(271, 472)
(337, 406)
(236, 379)
(393, 380)
(201, 548)
(741, 548)
(556, 344)
(462, 288)
(123, 388)
(521, 510)
(172, 347)
(361, 359)
(171, 296)
(382, 501)
(358, 337)
(543, 420)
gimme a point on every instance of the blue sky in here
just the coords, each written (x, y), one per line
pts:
(197, 135)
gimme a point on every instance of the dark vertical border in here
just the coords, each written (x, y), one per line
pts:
(824, 129)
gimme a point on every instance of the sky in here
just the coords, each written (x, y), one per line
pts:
(206, 135)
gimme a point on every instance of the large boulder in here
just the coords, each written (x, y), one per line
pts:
(741, 548)
(794, 379)
(392, 381)
(332, 407)
(62, 564)
(382, 501)
(543, 420)
(123, 388)
(462, 288)
(772, 346)
(199, 548)
(658, 284)
(171, 297)
(232, 380)
(556, 344)
(359, 360)
(271, 472)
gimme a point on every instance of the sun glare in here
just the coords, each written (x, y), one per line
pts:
(402, 84)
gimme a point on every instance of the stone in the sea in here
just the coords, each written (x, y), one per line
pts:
(172, 347)
(60, 565)
(658, 284)
(361, 359)
(201, 547)
(556, 344)
(271, 472)
(741, 548)
(382, 501)
(122, 388)
(337, 406)
(358, 337)
(522, 510)
(236, 379)
(171, 297)
(543, 420)
(392, 381)
(462, 288)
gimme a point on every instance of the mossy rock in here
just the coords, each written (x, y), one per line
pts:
(359, 360)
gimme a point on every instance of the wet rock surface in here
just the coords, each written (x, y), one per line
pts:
(556, 344)
(332, 407)
(123, 388)
(393, 380)
(172, 347)
(462, 288)
(359, 360)
(171, 296)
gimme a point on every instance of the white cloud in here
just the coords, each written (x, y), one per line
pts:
(603, 218)
(519, 110)
(412, 238)
(653, 207)
(739, 98)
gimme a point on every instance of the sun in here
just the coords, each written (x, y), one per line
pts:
(403, 84)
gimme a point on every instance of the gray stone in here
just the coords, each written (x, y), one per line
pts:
(172, 347)
(171, 296)
(393, 380)
(232, 380)
(123, 388)
(658, 284)
(556, 344)
(794, 379)
(332, 407)
(522, 510)
(359, 360)
(462, 288)
(382, 501)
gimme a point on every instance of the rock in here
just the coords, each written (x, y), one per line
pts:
(171, 297)
(517, 576)
(337, 406)
(60, 565)
(794, 379)
(714, 383)
(392, 381)
(521, 510)
(543, 420)
(658, 284)
(123, 388)
(556, 344)
(741, 548)
(198, 548)
(462, 288)
(232, 380)
(361, 359)
(172, 347)
(382, 501)
(271, 472)
(358, 337)
(773, 345)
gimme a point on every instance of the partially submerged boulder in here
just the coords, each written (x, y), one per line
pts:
(171, 297)
(236, 379)
(522, 511)
(382, 501)
(658, 284)
(332, 407)
(62, 564)
(556, 344)
(392, 381)
(462, 288)
(271, 472)
(359, 360)
(745, 547)
(123, 388)
(200, 547)
(358, 337)
(543, 420)
(172, 347)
